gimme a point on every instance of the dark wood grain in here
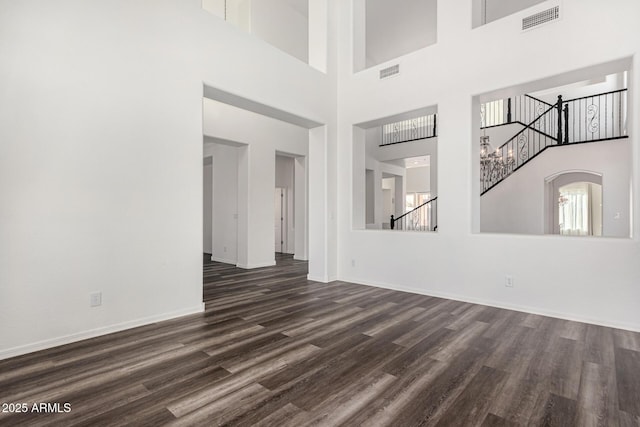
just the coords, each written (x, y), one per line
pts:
(628, 380)
(275, 349)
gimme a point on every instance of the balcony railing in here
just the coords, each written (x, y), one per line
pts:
(410, 130)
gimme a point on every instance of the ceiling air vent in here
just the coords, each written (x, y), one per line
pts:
(541, 18)
(389, 71)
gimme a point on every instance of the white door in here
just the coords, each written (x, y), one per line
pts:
(280, 224)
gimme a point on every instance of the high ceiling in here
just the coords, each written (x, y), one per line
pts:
(399, 27)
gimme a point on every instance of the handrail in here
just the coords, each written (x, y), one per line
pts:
(597, 117)
(414, 129)
(420, 218)
(532, 128)
(416, 208)
(515, 109)
(538, 99)
(598, 94)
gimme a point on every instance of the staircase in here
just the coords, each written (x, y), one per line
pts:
(421, 218)
(591, 118)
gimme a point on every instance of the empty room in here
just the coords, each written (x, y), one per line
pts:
(319, 212)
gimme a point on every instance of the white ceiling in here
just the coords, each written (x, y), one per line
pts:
(417, 162)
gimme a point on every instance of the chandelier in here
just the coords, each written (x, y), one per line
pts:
(494, 164)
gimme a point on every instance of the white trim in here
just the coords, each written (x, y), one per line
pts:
(323, 279)
(297, 258)
(258, 265)
(524, 309)
(222, 260)
(92, 333)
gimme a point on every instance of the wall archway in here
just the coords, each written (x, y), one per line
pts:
(578, 194)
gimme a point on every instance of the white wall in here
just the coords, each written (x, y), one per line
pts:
(216, 7)
(496, 9)
(236, 12)
(284, 172)
(207, 208)
(101, 158)
(598, 282)
(595, 86)
(418, 179)
(284, 24)
(396, 28)
(370, 197)
(225, 201)
(517, 204)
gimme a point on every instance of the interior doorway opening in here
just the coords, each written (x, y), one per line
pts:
(290, 205)
(575, 204)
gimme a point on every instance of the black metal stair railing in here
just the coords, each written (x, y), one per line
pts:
(600, 117)
(421, 218)
(522, 147)
(521, 109)
(595, 118)
(410, 130)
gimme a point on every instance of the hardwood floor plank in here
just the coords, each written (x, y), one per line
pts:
(598, 397)
(473, 403)
(599, 346)
(628, 380)
(554, 410)
(492, 420)
(342, 405)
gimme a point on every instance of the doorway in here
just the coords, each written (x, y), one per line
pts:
(576, 204)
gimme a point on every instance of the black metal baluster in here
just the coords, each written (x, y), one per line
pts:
(566, 124)
(620, 113)
(559, 119)
(598, 120)
(573, 130)
(435, 124)
(606, 117)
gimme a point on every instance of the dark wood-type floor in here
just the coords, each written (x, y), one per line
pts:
(274, 349)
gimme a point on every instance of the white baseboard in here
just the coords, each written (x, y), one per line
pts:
(92, 333)
(223, 260)
(300, 258)
(321, 279)
(257, 265)
(490, 303)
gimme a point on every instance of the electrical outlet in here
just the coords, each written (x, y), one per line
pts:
(225, 249)
(353, 263)
(95, 299)
(508, 281)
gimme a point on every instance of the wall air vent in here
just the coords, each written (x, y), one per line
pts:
(541, 18)
(390, 71)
